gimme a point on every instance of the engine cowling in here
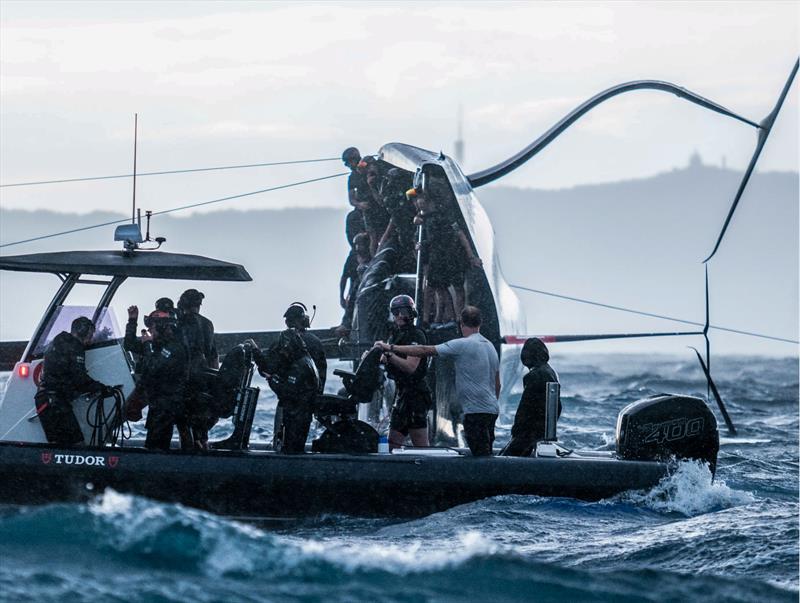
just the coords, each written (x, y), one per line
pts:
(667, 426)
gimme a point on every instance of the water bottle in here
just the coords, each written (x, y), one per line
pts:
(383, 444)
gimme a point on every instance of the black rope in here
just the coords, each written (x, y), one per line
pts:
(107, 427)
(650, 314)
(186, 171)
(166, 211)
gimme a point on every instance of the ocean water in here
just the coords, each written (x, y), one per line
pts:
(686, 539)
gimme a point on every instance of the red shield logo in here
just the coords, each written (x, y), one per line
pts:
(112, 461)
(47, 457)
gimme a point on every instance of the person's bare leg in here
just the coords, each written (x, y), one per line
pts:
(419, 436)
(396, 439)
(458, 300)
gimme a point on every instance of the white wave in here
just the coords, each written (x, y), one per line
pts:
(737, 440)
(416, 556)
(688, 491)
(111, 503)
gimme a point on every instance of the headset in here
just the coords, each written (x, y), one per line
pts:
(305, 321)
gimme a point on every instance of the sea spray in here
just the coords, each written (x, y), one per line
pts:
(689, 491)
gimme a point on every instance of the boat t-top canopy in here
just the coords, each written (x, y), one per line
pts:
(132, 264)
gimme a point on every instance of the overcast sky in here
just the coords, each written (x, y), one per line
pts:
(231, 83)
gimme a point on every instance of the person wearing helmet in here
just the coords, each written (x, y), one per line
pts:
(293, 375)
(477, 377)
(162, 373)
(296, 317)
(529, 421)
(197, 333)
(412, 397)
(65, 378)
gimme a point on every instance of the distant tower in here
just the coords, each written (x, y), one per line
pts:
(724, 162)
(695, 161)
(458, 146)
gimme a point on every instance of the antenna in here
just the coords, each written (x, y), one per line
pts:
(458, 147)
(135, 136)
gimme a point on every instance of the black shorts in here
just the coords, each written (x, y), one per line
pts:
(410, 410)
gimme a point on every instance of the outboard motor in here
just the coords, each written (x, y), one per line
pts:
(666, 426)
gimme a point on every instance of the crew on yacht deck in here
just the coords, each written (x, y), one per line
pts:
(162, 373)
(412, 397)
(477, 377)
(529, 421)
(64, 379)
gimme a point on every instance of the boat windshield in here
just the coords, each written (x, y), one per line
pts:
(107, 327)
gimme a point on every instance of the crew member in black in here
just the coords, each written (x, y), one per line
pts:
(292, 375)
(529, 425)
(376, 218)
(296, 317)
(351, 157)
(162, 373)
(401, 230)
(352, 271)
(197, 333)
(412, 398)
(65, 378)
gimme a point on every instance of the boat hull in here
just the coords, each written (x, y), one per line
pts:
(265, 484)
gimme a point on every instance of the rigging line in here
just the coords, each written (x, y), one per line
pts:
(186, 171)
(180, 208)
(650, 314)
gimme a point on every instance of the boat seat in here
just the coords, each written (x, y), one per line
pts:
(362, 384)
(337, 413)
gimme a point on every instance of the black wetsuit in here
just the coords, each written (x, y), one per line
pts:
(447, 261)
(163, 373)
(283, 360)
(197, 334)
(402, 212)
(413, 398)
(317, 352)
(354, 225)
(529, 422)
(65, 378)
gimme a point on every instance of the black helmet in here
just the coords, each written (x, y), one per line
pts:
(402, 301)
(351, 154)
(297, 316)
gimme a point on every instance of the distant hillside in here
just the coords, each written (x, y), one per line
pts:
(636, 243)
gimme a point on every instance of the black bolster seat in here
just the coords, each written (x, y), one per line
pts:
(337, 413)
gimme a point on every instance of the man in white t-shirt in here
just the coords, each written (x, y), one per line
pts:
(477, 369)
